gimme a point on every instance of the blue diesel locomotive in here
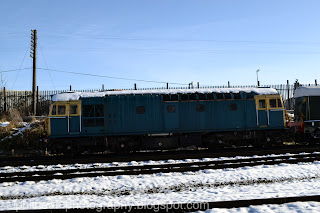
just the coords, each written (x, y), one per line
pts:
(164, 119)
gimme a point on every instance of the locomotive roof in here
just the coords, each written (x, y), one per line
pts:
(69, 96)
(307, 91)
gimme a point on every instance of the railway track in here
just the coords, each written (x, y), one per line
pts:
(158, 155)
(157, 168)
(182, 207)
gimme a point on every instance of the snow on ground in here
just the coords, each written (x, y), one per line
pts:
(22, 126)
(4, 124)
(293, 188)
(296, 207)
(203, 186)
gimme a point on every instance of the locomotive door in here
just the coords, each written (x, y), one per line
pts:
(74, 116)
(171, 116)
(262, 112)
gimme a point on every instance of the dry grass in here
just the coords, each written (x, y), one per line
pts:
(3, 117)
(30, 139)
(14, 116)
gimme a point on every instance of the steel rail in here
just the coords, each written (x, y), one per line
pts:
(179, 207)
(158, 155)
(152, 169)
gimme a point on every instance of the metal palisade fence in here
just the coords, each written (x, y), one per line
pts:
(22, 100)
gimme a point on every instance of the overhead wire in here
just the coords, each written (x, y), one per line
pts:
(222, 51)
(176, 39)
(112, 77)
(253, 51)
(10, 35)
(3, 81)
(15, 70)
(156, 49)
(232, 50)
(141, 38)
(46, 64)
(20, 67)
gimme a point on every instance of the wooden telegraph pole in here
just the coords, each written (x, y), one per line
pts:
(33, 54)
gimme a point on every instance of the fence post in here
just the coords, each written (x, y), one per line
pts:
(25, 101)
(37, 111)
(167, 85)
(1, 102)
(135, 86)
(70, 88)
(4, 99)
(288, 87)
(198, 85)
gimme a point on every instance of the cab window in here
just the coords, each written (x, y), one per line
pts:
(279, 103)
(273, 103)
(73, 109)
(54, 110)
(61, 109)
(262, 103)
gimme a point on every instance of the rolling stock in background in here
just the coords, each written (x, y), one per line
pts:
(306, 122)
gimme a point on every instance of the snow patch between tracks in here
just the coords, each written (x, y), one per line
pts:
(139, 184)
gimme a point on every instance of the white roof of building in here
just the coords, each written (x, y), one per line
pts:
(307, 91)
(69, 96)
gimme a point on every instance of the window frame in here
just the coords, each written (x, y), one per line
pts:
(55, 110)
(268, 99)
(279, 101)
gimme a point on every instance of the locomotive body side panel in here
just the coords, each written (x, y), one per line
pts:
(133, 114)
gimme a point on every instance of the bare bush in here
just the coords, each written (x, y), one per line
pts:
(3, 117)
(14, 116)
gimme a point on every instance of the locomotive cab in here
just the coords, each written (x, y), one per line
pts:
(64, 118)
(270, 111)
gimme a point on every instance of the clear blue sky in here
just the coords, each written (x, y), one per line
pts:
(206, 41)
